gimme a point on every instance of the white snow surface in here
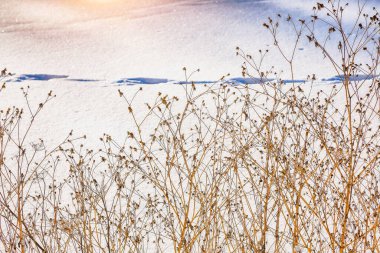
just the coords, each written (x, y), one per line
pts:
(84, 51)
(151, 38)
(93, 108)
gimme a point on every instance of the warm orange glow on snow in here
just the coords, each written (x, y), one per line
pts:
(107, 4)
(102, 1)
(125, 4)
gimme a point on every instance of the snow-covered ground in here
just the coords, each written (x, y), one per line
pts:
(152, 38)
(94, 107)
(84, 50)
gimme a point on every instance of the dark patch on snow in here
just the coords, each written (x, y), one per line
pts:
(194, 82)
(340, 78)
(242, 80)
(83, 80)
(250, 80)
(294, 81)
(37, 77)
(141, 80)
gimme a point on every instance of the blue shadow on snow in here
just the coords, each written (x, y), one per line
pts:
(38, 77)
(141, 80)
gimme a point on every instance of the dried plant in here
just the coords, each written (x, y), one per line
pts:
(219, 168)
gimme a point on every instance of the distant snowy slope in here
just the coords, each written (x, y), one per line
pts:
(148, 38)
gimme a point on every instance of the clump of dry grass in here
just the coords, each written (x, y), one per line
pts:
(220, 168)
